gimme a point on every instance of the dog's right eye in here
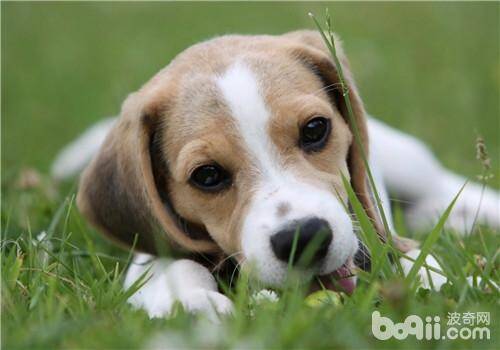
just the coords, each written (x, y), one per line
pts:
(211, 177)
(314, 134)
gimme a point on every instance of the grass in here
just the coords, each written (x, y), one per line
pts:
(65, 290)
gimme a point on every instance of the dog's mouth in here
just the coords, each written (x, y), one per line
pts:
(341, 280)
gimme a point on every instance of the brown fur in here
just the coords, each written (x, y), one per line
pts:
(177, 121)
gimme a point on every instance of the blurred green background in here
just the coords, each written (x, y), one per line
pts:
(431, 69)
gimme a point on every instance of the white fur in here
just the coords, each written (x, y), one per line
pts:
(400, 162)
(427, 275)
(183, 280)
(276, 185)
(74, 157)
(261, 223)
(241, 92)
(412, 173)
(423, 273)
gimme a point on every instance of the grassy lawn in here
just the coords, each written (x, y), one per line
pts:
(431, 69)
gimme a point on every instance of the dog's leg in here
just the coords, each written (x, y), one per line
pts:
(183, 280)
(412, 173)
(428, 278)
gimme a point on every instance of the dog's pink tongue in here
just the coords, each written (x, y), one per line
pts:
(345, 280)
(341, 280)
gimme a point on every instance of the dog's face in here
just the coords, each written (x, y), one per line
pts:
(259, 155)
(242, 139)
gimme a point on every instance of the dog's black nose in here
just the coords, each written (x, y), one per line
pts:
(314, 235)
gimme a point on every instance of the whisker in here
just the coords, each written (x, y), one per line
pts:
(236, 268)
(220, 263)
(392, 199)
(328, 88)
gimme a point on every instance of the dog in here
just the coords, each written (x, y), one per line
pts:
(237, 148)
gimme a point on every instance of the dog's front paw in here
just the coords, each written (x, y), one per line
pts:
(198, 301)
(156, 306)
(207, 302)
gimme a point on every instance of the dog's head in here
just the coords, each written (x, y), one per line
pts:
(239, 146)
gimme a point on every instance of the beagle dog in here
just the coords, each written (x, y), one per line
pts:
(237, 149)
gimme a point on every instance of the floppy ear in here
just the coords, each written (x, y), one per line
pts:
(123, 191)
(312, 51)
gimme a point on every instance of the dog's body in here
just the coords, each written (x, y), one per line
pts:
(240, 145)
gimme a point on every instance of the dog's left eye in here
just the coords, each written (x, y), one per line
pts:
(314, 134)
(211, 177)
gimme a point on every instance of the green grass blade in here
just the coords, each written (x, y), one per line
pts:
(430, 240)
(330, 43)
(378, 250)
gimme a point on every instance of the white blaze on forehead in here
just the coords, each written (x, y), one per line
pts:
(241, 91)
(242, 94)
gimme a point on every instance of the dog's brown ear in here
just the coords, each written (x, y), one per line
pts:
(313, 52)
(123, 191)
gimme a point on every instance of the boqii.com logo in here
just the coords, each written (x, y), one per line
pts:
(467, 325)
